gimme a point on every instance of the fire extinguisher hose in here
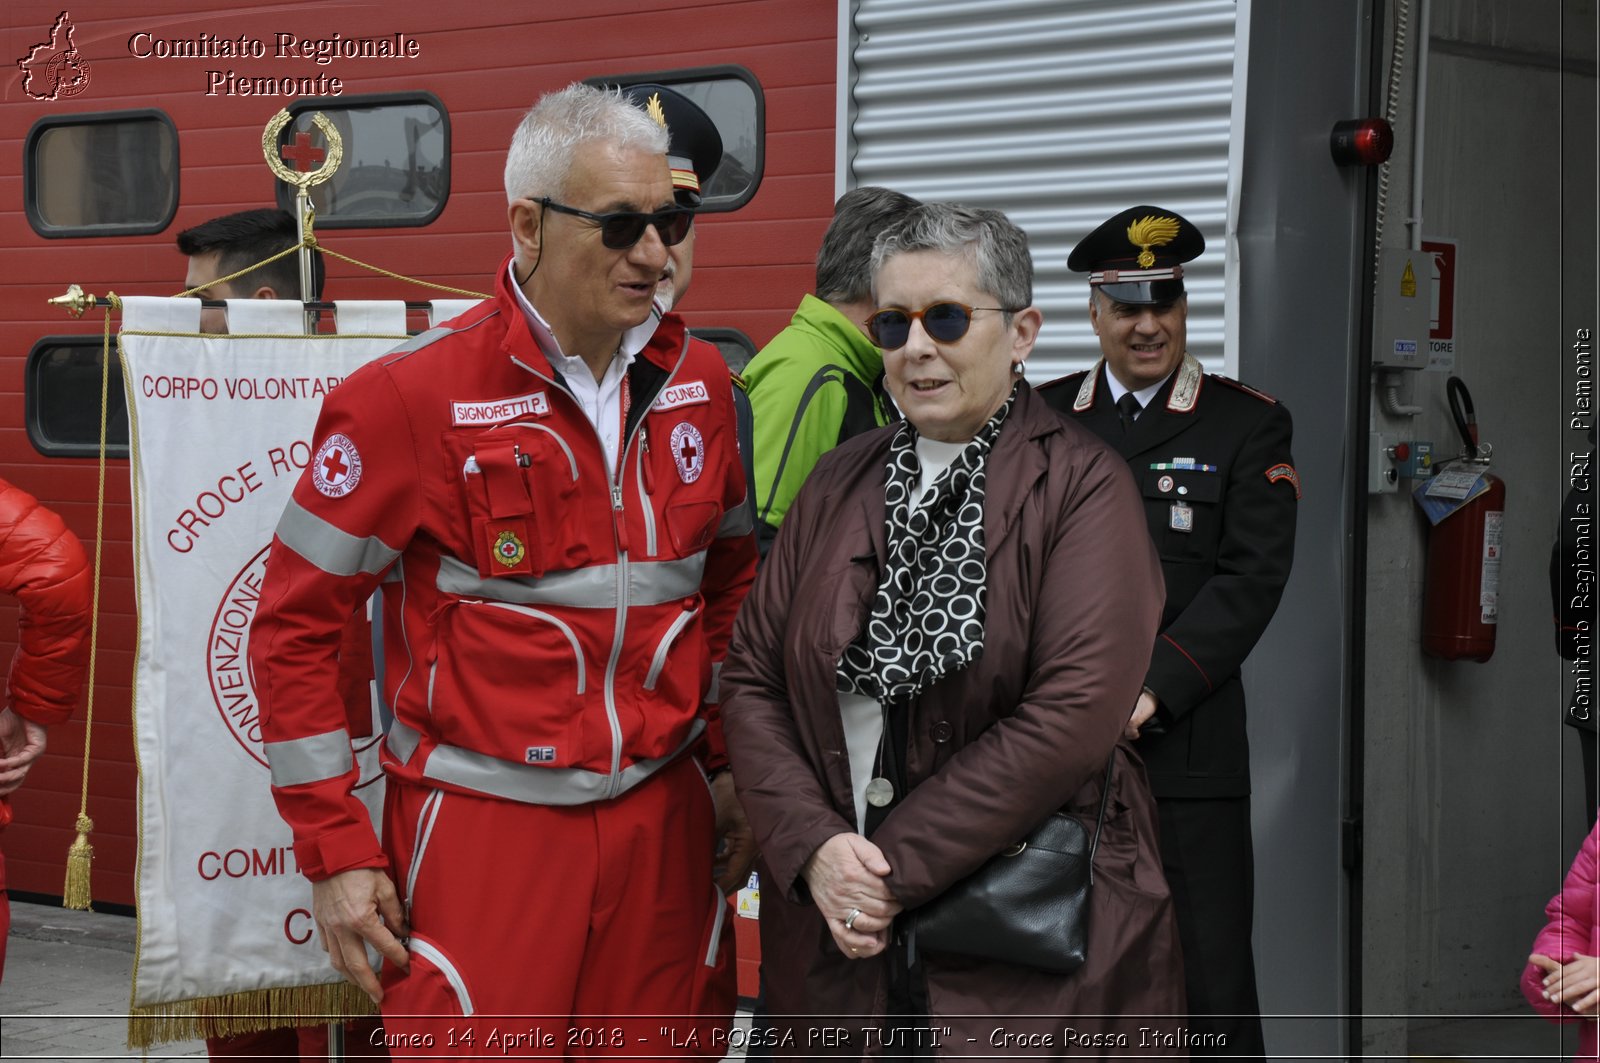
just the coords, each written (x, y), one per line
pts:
(1466, 417)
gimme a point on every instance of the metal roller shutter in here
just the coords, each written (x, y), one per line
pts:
(1060, 113)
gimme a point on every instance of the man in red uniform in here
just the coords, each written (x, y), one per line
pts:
(548, 492)
(43, 566)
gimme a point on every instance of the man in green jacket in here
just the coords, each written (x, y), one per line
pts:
(818, 382)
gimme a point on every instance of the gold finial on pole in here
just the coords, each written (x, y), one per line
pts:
(75, 301)
(303, 177)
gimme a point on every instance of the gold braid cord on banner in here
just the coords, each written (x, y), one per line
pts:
(75, 892)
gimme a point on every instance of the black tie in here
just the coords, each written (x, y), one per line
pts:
(1128, 408)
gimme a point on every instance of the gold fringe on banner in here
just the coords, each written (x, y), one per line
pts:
(248, 1012)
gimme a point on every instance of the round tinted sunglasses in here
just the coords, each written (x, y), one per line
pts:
(945, 322)
(620, 230)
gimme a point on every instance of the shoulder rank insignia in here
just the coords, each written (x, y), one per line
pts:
(1246, 388)
(1285, 472)
(1186, 389)
(1085, 397)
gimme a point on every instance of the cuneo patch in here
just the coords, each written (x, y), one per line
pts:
(690, 393)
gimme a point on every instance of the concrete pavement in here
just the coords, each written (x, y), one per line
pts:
(66, 985)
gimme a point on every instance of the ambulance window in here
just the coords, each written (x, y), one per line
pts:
(396, 167)
(62, 399)
(732, 96)
(736, 348)
(111, 174)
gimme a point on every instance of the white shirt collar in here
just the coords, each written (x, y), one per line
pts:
(1144, 395)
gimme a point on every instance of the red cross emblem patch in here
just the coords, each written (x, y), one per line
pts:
(688, 452)
(336, 469)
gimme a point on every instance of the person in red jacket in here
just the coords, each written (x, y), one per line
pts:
(42, 564)
(547, 494)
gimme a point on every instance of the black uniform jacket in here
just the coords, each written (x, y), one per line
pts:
(1211, 460)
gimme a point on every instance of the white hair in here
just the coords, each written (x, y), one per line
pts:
(542, 147)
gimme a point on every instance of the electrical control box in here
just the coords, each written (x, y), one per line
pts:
(1402, 310)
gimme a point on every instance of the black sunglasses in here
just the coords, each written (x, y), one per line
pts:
(621, 229)
(945, 322)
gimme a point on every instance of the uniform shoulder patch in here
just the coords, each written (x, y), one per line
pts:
(1284, 471)
(1246, 388)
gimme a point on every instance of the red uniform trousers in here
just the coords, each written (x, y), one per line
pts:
(539, 930)
(363, 1039)
(5, 915)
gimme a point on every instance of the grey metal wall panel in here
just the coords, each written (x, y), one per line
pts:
(1060, 113)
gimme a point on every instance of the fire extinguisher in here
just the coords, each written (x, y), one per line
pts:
(1461, 596)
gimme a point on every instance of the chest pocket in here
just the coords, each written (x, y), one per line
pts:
(519, 485)
(1184, 510)
(681, 470)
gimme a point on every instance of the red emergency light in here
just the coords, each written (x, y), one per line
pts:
(1362, 142)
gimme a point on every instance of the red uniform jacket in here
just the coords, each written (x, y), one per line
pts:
(43, 566)
(550, 629)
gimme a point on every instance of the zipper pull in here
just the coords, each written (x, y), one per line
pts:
(649, 467)
(618, 517)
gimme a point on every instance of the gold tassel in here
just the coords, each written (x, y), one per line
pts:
(76, 892)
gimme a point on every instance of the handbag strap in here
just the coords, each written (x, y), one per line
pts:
(1105, 796)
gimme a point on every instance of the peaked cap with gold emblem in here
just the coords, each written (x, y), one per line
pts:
(694, 147)
(1137, 256)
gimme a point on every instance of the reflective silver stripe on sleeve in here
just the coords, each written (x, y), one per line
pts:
(737, 521)
(314, 758)
(592, 587)
(527, 783)
(334, 551)
(714, 691)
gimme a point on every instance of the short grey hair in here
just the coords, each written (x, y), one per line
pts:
(844, 262)
(999, 250)
(541, 151)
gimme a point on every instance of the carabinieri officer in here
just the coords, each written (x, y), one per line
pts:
(1211, 458)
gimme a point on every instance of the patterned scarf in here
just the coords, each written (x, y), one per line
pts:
(928, 617)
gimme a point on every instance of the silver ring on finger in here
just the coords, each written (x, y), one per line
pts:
(850, 920)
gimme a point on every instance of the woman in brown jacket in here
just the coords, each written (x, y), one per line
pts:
(943, 649)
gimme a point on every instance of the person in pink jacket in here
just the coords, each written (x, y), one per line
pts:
(1562, 979)
(42, 564)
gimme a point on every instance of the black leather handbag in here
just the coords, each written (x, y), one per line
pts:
(1029, 905)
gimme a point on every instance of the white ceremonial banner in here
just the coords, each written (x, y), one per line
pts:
(221, 430)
